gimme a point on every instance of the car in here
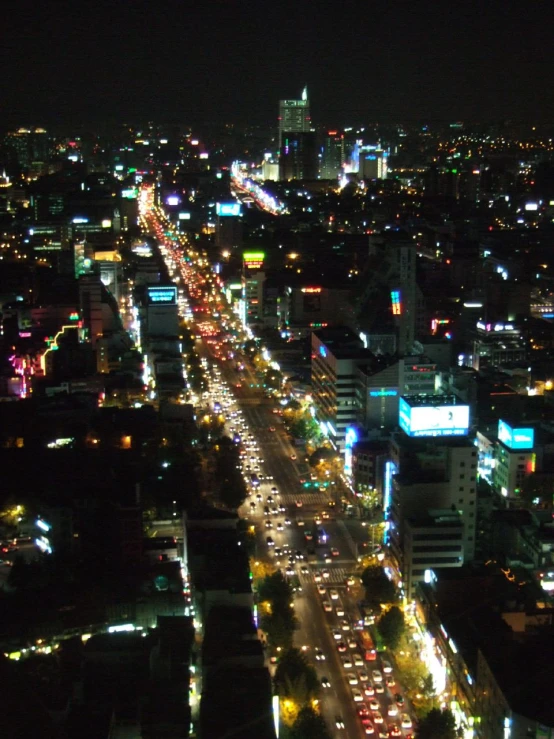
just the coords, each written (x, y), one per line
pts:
(326, 574)
(293, 457)
(318, 521)
(272, 428)
(299, 504)
(363, 676)
(387, 667)
(390, 681)
(357, 696)
(369, 690)
(377, 717)
(399, 699)
(275, 511)
(334, 552)
(339, 723)
(289, 571)
(394, 730)
(380, 688)
(341, 646)
(279, 526)
(325, 515)
(406, 721)
(337, 635)
(269, 499)
(363, 710)
(374, 705)
(327, 558)
(325, 682)
(300, 522)
(268, 525)
(392, 710)
(358, 661)
(304, 569)
(298, 554)
(270, 542)
(352, 643)
(369, 729)
(282, 508)
(317, 577)
(288, 522)
(346, 662)
(321, 589)
(266, 510)
(333, 593)
(259, 496)
(352, 678)
(377, 676)
(345, 626)
(320, 657)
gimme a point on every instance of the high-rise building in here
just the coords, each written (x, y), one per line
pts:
(294, 115)
(298, 156)
(389, 304)
(372, 163)
(30, 145)
(332, 155)
(297, 144)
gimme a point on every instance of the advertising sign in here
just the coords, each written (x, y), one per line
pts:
(162, 295)
(521, 438)
(227, 209)
(433, 420)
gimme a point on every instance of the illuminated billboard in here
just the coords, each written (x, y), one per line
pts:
(433, 420)
(253, 259)
(396, 303)
(173, 200)
(520, 438)
(162, 295)
(227, 209)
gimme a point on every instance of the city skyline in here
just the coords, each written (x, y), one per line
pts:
(189, 63)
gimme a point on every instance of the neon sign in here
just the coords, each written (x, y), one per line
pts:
(311, 290)
(396, 303)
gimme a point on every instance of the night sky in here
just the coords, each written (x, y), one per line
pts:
(231, 60)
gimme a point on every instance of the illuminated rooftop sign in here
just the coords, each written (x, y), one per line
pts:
(228, 209)
(383, 393)
(253, 259)
(433, 420)
(162, 295)
(520, 438)
(313, 290)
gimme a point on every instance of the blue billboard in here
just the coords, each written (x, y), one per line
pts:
(433, 420)
(162, 295)
(227, 209)
(520, 438)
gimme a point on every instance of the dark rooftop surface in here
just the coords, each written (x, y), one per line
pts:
(237, 702)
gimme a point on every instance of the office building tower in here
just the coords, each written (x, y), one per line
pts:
(298, 156)
(336, 353)
(294, 115)
(372, 163)
(389, 305)
(332, 155)
(29, 145)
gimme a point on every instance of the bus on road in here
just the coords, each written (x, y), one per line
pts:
(367, 646)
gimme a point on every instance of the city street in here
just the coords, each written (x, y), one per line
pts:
(281, 520)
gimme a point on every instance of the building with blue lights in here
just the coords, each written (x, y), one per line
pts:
(336, 355)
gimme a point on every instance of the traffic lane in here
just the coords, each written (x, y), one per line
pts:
(314, 629)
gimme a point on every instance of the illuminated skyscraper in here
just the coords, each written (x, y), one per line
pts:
(294, 115)
(332, 155)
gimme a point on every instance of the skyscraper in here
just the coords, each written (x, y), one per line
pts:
(332, 155)
(294, 115)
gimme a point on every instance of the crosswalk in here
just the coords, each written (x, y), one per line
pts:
(337, 576)
(308, 499)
